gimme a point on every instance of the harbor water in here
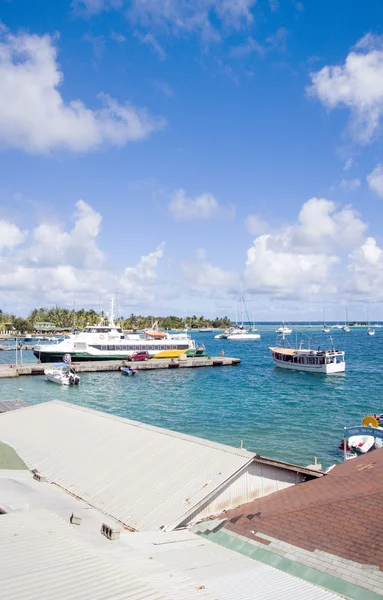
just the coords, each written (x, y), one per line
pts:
(282, 414)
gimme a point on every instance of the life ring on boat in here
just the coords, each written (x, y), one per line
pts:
(370, 421)
(101, 337)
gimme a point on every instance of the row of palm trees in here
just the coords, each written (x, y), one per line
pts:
(66, 319)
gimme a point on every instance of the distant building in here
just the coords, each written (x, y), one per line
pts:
(46, 327)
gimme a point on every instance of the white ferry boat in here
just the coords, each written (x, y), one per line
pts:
(313, 361)
(108, 342)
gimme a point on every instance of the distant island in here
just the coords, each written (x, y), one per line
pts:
(62, 319)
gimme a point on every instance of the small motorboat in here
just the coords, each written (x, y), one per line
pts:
(63, 374)
(361, 443)
(129, 371)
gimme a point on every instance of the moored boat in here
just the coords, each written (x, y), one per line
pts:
(327, 361)
(128, 371)
(284, 329)
(243, 335)
(106, 341)
(62, 374)
(305, 359)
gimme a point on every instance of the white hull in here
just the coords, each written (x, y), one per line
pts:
(361, 443)
(107, 349)
(243, 336)
(60, 380)
(328, 369)
(54, 379)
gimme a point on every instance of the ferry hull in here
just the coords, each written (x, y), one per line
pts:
(329, 369)
(52, 357)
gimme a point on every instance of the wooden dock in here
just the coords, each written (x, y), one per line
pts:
(114, 365)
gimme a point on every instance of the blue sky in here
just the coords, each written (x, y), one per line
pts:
(178, 150)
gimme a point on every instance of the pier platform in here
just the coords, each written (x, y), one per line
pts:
(12, 370)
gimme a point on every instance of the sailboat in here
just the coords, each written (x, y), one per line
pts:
(370, 331)
(346, 326)
(240, 333)
(284, 329)
(325, 329)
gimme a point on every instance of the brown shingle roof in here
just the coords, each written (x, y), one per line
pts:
(340, 513)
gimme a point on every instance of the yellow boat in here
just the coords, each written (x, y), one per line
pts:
(169, 354)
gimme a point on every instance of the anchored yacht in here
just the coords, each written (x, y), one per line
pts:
(108, 342)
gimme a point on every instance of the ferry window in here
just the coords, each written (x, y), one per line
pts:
(103, 347)
(119, 330)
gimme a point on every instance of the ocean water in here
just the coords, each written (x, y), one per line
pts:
(282, 414)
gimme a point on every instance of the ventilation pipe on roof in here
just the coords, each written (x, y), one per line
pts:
(75, 519)
(111, 532)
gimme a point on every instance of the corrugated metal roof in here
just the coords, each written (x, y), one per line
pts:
(39, 561)
(6, 405)
(144, 476)
(224, 572)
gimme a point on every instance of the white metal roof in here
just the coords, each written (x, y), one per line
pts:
(144, 476)
(224, 572)
(40, 561)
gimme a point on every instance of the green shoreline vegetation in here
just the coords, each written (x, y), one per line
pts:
(63, 319)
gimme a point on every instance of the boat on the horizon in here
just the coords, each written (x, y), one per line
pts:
(283, 329)
(326, 328)
(346, 327)
(106, 341)
(370, 330)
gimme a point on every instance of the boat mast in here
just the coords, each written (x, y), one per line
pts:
(111, 316)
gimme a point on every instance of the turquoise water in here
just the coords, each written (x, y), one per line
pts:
(282, 414)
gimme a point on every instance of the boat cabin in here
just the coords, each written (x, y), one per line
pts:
(307, 357)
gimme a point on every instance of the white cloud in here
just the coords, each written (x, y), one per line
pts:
(58, 263)
(299, 260)
(135, 279)
(255, 225)
(375, 180)
(286, 272)
(348, 164)
(356, 84)
(10, 235)
(365, 272)
(205, 278)
(350, 185)
(163, 87)
(179, 15)
(52, 246)
(274, 5)
(34, 116)
(151, 41)
(202, 207)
